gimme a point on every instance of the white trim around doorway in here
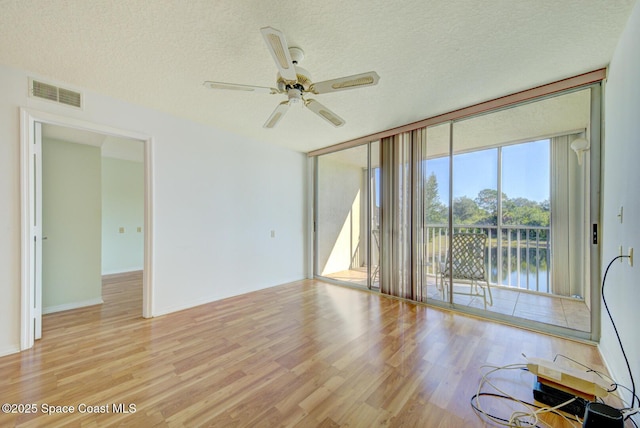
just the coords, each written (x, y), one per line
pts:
(28, 117)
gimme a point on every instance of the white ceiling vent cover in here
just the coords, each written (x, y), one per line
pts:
(54, 93)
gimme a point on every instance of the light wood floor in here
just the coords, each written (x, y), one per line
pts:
(541, 307)
(302, 354)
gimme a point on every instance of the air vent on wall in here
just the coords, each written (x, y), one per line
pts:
(54, 93)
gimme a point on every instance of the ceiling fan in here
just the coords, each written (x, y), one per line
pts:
(295, 81)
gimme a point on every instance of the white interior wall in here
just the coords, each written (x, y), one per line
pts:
(71, 221)
(620, 188)
(216, 198)
(122, 215)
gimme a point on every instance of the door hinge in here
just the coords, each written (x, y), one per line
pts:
(594, 234)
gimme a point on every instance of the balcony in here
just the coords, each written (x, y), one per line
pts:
(518, 260)
(516, 256)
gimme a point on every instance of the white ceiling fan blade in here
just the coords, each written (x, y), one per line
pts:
(277, 114)
(238, 87)
(324, 113)
(349, 82)
(279, 49)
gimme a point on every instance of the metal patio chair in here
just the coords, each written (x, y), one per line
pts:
(468, 266)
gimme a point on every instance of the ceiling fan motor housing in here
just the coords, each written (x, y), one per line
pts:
(303, 80)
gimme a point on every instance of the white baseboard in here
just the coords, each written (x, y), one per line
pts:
(183, 306)
(113, 272)
(621, 393)
(9, 350)
(72, 305)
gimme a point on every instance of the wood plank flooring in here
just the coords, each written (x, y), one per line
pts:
(304, 354)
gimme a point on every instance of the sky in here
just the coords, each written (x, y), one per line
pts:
(525, 172)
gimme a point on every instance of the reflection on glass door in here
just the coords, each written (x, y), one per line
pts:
(375, 208)
(517, 183)
(488, 214)
(348, 216)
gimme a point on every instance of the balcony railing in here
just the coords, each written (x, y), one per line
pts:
(516, 256)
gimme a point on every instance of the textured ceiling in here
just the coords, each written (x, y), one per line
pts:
(432, 56)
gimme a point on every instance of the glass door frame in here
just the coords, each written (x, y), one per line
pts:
(593, 215)
(368, 199)
(591, 80)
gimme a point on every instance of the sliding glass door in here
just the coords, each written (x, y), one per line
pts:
(348, 195)
(489, 213)
(516, 180)
(432, 216)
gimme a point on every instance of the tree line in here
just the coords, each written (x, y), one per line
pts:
(483, 210)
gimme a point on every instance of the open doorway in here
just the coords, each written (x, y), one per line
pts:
(92, 214)
(80, 146)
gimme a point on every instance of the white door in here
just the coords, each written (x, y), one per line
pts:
(36, 251)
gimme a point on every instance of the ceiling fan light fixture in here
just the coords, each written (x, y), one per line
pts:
(295, 97)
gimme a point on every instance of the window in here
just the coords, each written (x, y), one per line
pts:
(509, 174)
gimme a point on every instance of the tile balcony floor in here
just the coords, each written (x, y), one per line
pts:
(559, 311)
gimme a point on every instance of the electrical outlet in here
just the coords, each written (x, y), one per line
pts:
(631, 256)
